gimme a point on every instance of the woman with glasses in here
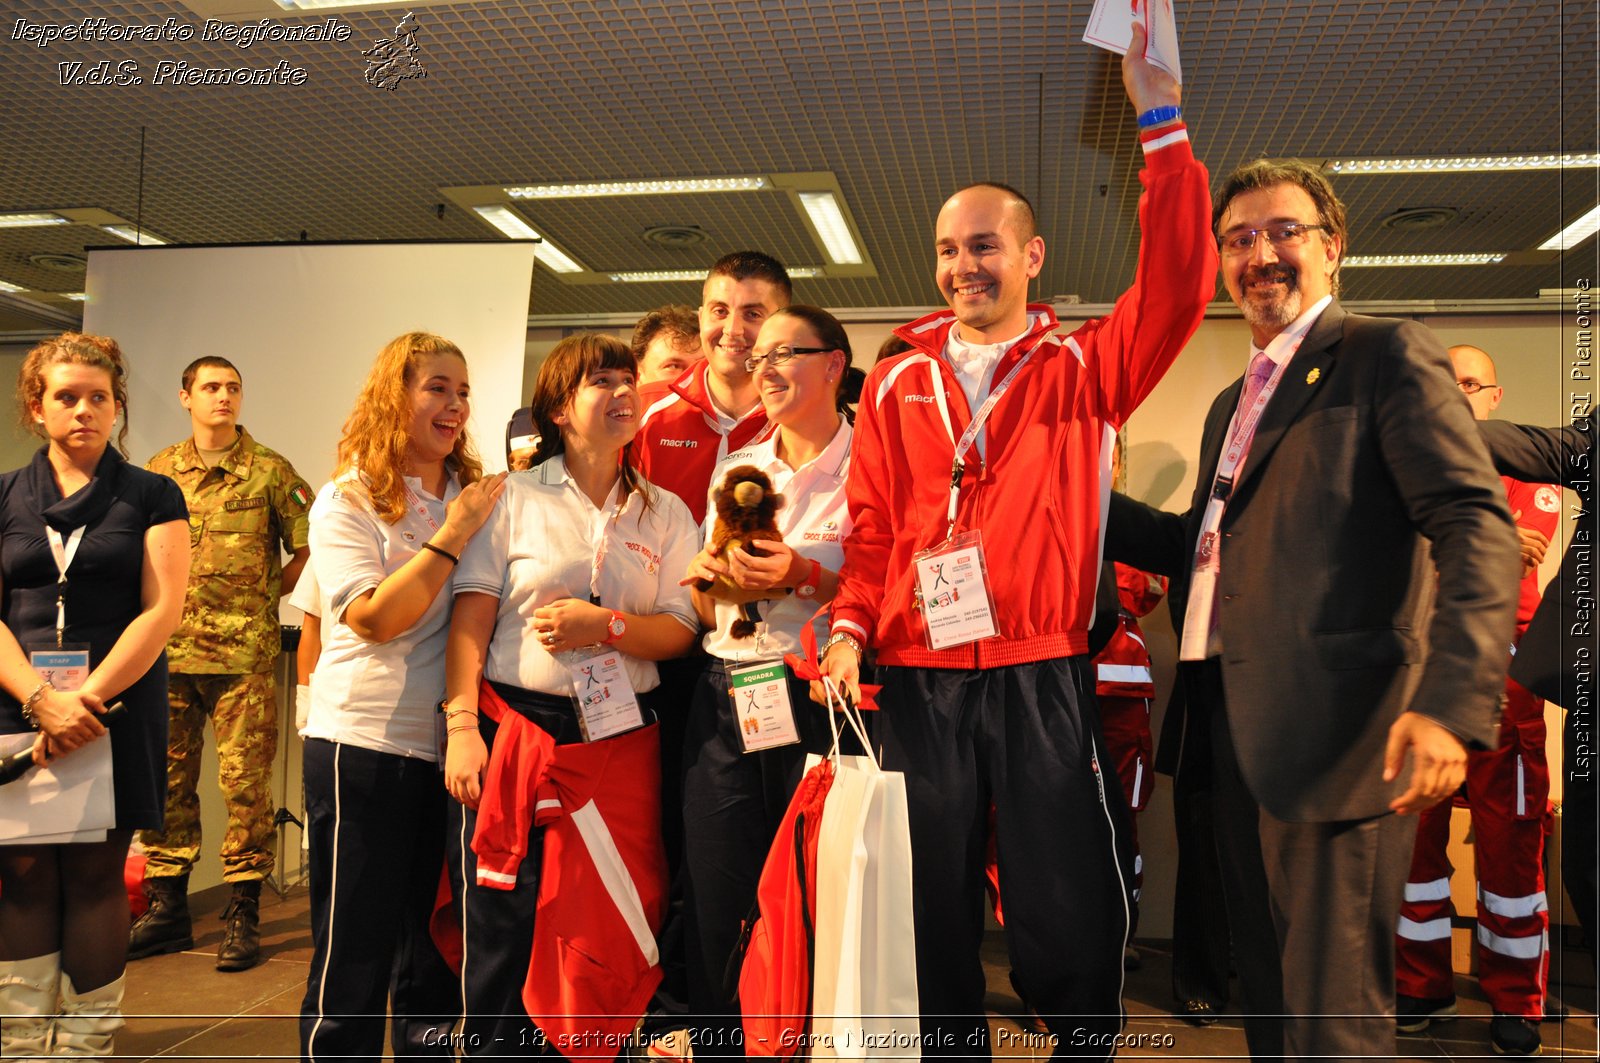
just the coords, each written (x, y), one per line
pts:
(748, 735)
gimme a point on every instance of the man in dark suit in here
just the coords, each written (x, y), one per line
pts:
(1342, 489)
(1557, 656)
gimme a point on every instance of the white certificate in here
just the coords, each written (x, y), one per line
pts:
(1111, 27)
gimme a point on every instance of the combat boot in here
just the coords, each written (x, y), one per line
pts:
(164, 926)
(241, 941)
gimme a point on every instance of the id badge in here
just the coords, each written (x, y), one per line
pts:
(952, 592)
(607, 705)
(761, 706)
(65, 667)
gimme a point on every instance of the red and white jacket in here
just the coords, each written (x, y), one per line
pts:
(1040, 496)
(680, 438)
(1122, 668)
(1536, 506)
(602, 889)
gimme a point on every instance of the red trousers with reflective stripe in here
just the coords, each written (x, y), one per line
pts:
(1507, 790)
(1126, 723)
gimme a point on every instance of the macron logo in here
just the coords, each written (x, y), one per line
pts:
(919, 398)
(684, 443)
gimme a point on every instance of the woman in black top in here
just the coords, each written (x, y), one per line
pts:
(94, 553)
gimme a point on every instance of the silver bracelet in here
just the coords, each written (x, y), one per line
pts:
(33, 699)
(840, 636)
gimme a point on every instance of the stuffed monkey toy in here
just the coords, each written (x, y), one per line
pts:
(746, 510)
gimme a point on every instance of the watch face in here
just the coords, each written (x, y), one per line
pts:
(617, 627)
(805, 590)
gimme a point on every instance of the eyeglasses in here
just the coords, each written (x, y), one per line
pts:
(1472, 387)
(778, 355)
(1243, 241)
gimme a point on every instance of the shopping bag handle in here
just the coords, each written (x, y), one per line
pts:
(840, 706)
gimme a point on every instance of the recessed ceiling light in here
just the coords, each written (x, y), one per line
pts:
(663, 276)
(825, 214)
(133, 235)
(7, 286)
(1360, 261)
(77, 297)
(1463, 163)
(21, 220)
(1574, 234)
(670, 187)
(510, 222)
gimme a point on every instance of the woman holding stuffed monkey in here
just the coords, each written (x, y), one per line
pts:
(748, 737)
(562, 606)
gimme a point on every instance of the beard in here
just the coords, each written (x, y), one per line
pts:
(1279, 312)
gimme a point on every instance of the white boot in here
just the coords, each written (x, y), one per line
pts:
(28, 1005)
(88, 1020)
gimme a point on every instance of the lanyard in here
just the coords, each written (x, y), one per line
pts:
(420, 510)
(603, 546)
(63, 554)
(958, 465)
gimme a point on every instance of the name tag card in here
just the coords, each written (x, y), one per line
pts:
(66, 667)
(761, 707)
(953, 592)
(607, 705)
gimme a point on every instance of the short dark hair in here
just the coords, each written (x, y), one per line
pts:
(1030, 221)
(753, 265)
(834, 337)
(1268, 173)
(678, 322)
(210, 361)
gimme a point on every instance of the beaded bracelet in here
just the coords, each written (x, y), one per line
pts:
(33, 699)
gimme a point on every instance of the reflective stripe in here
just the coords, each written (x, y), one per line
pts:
(614, 874)
(548, 802)
(1138, 784)
(1528, 948)
(485, 875)
(1123, 673)
(1522, 789)
(1138, 863)
(1176, 137)
(1432, 930)
(1513, 907)
(1437, 890)
(853, 628)
(333, 892)
(1072, 345)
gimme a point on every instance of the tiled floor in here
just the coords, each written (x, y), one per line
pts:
(179, 1007)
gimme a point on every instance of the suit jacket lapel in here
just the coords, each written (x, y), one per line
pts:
(1301, 379)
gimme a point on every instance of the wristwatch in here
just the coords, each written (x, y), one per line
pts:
(616, 627)
(808, 586)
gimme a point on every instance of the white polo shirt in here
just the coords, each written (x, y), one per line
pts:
(546, 540)
(814, 519)
(378, 695)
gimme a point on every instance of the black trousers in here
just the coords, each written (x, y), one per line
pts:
(497, 925)
(375, 822)
(1026, 737)
(732, 804)
(1312, 908)
(1200, 943)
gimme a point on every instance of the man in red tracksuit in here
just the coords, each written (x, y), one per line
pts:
(714, 408)
(1508, 791)
(1009, 716)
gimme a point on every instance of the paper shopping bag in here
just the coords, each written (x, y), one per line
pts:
(864, 981)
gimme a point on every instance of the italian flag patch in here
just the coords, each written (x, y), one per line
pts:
(300, 495)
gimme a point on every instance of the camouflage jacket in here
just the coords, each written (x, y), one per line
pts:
(240, 512)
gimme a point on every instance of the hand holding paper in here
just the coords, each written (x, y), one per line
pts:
(1111, 26)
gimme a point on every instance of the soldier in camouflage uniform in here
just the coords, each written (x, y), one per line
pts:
(245, 501)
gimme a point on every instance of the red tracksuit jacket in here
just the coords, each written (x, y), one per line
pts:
(1039, 497)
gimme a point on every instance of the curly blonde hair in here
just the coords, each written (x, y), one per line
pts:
(72, 348)
(376, 434)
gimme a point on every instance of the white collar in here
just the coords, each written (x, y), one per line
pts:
(764, 453)
(1278, 351)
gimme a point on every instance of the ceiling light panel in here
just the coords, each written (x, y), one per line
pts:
(511, 224)
(663, 276)
(669, 187)
(26, 220)
(1464, 164)
(1574, 234)
(823, 210)
(1475, 259)
(132, 234)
